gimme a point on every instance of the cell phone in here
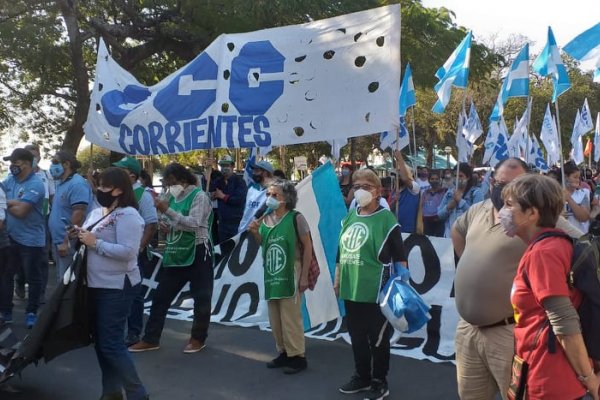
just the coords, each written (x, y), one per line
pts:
(67, 223)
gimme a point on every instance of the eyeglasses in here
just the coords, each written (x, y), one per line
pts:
(363, 187)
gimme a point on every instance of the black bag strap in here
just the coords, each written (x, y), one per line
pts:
(92, 226)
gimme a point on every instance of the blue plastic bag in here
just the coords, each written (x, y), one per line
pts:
(403, 307)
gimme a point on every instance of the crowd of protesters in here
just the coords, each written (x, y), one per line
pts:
(491, 217)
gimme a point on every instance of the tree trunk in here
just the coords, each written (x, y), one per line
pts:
(74, 133)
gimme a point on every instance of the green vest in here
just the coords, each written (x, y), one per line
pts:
(361, 240)
(139, 192)
(180, 246)
(279, 257)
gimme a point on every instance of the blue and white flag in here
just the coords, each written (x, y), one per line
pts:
(549, 62)
(585, 122)
(576, 142)
(549, 137)
(597, 139)
(279, 86)
(490, 141)
(320, 201)
(517, 144)
(472, 129)
(516, 83)
(536, 157)
(454, 72)
(407, 92)
(501, 149)
(248, 170)
(465, 148)
(586, 47)
(388, 139)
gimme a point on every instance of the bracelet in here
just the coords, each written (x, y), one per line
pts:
(584, 378)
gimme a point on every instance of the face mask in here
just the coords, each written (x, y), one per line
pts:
(35, 162)
(462, 183)
(434, 184)
(272, 203)
(56, 170)
(257, 178)
(175, 190)
(574, 184)
(345, 172)
(423, 175)
(15, 170)
(363, 197)
(506, 220)
(448, 177)
(496, 197)
(226, 170)
(105, 199)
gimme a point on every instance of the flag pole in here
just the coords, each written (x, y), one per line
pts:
(562, 163)
(416, 148)
(464, 102)
(527, 143)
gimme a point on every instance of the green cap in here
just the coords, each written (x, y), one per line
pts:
(129, 163)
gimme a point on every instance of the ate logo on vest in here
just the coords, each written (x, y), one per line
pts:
(276, 259)
(173, 236)
(355, 236)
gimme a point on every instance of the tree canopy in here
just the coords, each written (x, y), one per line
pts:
(48, 48)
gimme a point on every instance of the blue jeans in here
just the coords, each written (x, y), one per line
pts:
(7, 281)
(109, 309)
(135, 321)
(31, 261)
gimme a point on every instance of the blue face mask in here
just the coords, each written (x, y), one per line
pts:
(56, 170)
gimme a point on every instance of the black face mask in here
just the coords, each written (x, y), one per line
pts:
(105, 199)
(496, 196)
(257, 178)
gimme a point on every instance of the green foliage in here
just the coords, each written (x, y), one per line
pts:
(99, 161)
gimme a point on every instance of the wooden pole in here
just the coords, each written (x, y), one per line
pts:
(416, 148)
(562, 162)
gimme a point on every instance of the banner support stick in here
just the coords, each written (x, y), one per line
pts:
(416, 148)
(562, 162)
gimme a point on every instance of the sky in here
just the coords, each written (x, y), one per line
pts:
(530, 18)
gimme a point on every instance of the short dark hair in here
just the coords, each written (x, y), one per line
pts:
(279, 173)
(119, 179)
(180, 173)
(64, 155)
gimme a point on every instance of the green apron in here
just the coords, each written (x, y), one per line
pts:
(279, 257)
(180, 247)
(361, 241)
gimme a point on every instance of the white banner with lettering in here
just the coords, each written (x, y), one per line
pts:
(327, 79)
(238, 295)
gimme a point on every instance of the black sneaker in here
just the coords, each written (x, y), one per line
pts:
(294, 365)
(355, 385)
(280, 361)
(379, 390)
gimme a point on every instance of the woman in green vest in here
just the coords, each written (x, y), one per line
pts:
(284, 236)
(370, 248)
(187, 258)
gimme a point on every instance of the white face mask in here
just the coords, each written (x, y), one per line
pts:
(176, 190)
(272, 203)
(506, 220)
(363, 197)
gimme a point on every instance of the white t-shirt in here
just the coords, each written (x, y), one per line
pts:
(423, 184)
(582, 198)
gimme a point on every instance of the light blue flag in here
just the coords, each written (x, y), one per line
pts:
(454, 72)
(550, 63)
(516, 83)
(586, 47)
(407, 92)
(248, 169)
(536, 157)
(490, 141)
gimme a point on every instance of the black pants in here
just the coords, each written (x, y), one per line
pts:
(173, 279)
(370, 334)
(434, 227)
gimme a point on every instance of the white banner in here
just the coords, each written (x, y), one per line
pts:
(238, 296)
(324, 80)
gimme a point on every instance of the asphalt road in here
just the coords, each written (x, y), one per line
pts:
(231, 367)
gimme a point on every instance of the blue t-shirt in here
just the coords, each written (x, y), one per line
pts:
(30, 230)
(146, 206)
(72, 191)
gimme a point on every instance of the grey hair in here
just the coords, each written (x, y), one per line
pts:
(289, 192)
